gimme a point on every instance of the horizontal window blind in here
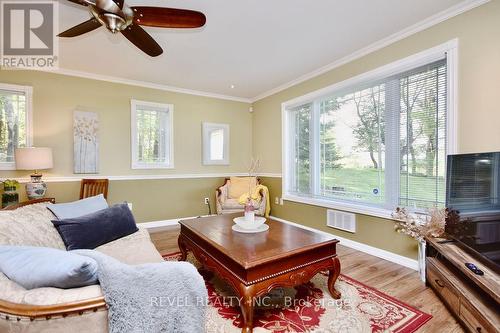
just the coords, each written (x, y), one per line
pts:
(423, 136)
(300, 123)
(380, 143)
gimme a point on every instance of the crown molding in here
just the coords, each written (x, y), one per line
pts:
(420, 26)
(143, 84)
(411, 30)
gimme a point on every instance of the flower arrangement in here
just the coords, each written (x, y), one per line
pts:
(419, 226)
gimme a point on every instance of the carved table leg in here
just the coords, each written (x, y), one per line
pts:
(332, 277)
(183, 248)
(246, 305)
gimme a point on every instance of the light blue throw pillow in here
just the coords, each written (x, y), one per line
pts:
(78, 208)
(38, 267)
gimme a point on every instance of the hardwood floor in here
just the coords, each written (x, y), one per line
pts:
(392, 279)
(165, 239)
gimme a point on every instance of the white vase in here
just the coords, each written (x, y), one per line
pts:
(421, 260)
(36, 190)
(250, 216)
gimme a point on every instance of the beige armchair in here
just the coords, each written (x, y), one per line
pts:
(228, 195)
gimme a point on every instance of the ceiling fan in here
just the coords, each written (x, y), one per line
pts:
(116, 16)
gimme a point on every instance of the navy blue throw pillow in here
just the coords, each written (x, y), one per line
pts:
(98, 228)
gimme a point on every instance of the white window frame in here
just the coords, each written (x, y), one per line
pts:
(448, 50)
(133, 121)
(206, 129)
(28, 92)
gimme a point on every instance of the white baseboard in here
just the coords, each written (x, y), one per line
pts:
(166, 223)
(374, 251)
(159, 224)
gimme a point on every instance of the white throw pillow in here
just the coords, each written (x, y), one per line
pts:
(78, 208)
(39, 267)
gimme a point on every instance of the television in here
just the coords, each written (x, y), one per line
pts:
(473, 202)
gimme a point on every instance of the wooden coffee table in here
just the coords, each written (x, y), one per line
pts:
(253, 264)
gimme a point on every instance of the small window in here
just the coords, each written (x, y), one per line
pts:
(152, 135)
(215, 144)
(15, 122)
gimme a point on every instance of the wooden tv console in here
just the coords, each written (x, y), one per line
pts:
(473, 299)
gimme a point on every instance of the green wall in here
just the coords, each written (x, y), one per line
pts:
(152, 200)
(56, 96)
(478, 32)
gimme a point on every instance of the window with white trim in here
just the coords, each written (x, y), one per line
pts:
(377, 141)
(152, 135)
(215, 144)
(15, 122)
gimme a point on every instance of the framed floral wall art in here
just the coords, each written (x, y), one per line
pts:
(85, 142)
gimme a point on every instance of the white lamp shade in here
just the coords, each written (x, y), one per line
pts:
(34, 158)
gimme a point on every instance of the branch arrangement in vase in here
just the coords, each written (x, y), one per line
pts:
(419, 226)
(254, 167)
(252, 171)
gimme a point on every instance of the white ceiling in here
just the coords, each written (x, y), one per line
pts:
(253, 45)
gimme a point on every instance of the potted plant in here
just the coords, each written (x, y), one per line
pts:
(10, 195)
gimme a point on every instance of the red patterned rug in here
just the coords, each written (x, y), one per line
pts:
(310, 308)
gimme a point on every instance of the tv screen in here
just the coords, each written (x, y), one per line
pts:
(473, 199)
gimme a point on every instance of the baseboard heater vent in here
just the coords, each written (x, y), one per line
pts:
(341, 220)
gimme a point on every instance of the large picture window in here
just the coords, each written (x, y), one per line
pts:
(371, 144)
(15, 122)
(152, 135)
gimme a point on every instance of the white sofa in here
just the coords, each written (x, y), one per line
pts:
(52, 309)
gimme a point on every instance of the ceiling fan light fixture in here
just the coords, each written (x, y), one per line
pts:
(113, 22)
(116, 16)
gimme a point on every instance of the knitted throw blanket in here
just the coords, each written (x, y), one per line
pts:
(159, 297)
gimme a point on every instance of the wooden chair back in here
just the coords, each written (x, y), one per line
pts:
(29, 202)
(93, 187)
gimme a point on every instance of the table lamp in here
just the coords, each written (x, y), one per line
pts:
(35, 159)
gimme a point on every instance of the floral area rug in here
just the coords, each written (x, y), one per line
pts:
(310, 308)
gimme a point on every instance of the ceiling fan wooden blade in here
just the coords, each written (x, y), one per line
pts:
(168, 17)
(140, 38)
(81, 29)
(79, 2)
(119, 3)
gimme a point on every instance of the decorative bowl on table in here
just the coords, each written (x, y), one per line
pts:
(243, 225)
